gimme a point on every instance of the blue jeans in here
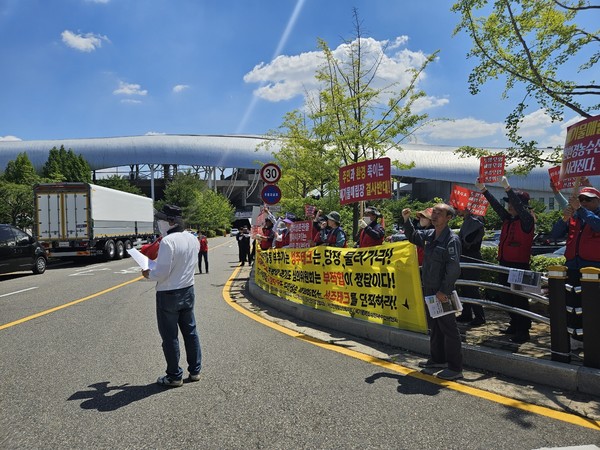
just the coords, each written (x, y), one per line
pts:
(174, 312)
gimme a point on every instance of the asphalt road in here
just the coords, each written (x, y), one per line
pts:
(82, 375)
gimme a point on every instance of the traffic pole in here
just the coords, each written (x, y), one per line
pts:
(559, 334)
(590, 306)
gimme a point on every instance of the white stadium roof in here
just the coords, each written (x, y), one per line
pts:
(432, 162)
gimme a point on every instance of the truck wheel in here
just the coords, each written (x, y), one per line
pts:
(128, 246)
(40, 265)
(109, 250)
(120, 250)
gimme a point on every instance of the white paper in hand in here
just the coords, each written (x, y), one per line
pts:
(141, 259)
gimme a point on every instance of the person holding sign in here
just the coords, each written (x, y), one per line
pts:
(441, 269)
(267, 234)
(371, 232)
(581, 225)
(514, 250)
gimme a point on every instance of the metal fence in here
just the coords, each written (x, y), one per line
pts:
(557, 307)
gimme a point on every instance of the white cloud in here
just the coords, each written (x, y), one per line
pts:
(428, 102)
(467, 128)
(9, 139)
(155, 133)
(398, 42)
(558, 140)
(129, 89)
(180, 88)
(131, 101)
(83, 42)
(289, 76)
(98, 1)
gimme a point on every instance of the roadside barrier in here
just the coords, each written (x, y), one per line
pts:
(557, 308)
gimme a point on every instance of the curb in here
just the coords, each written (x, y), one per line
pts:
(550, 373)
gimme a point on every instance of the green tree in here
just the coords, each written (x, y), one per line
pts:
(16, 206)
(119, 183)
(211, 211)
(182, 191)
(20, 171)
(65, 165)
(530, 43)
(349, 121)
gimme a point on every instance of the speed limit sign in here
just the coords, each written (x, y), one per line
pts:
(270, 173)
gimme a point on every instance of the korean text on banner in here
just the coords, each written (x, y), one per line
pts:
(581, 155)
(378, 284)
(491, 168)
(463, 198)
(301, 234)
(366, 180)
(566, 183)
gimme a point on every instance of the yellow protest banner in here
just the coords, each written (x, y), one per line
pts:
(378, 284)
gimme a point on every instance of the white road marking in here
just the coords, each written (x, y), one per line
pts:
(18, 292)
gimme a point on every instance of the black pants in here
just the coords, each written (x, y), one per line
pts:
(519, 323)
(202, 256)
(444, 341)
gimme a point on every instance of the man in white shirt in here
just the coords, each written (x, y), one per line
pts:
(174, 275)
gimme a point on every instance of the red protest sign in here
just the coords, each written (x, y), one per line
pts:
(478, 204)
(566, 183)
(463, 198)
(366, 180)
(459, 197)
(301, 234)
(309, 210)
(581, 156)
(491, 168)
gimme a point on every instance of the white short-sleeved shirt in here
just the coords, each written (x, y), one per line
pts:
(176, 262)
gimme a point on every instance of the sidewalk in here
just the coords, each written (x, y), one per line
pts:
(492, 362)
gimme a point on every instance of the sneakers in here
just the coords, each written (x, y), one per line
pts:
(169, 382)
(449, 375)
(429, 364)
(194, 377)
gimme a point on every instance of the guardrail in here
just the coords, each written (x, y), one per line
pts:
(557, 308)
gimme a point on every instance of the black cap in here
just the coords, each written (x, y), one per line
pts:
(169, 212)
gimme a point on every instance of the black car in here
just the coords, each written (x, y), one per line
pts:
(19, 251)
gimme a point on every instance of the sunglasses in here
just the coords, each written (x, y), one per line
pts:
(586, 199)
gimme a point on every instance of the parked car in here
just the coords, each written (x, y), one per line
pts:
(234, 232)
(19, 251)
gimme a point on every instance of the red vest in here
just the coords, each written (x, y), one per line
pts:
(515, 244)
(582, 241)
(285, 240)
(332, 237)
(364, 240)
(266, 244)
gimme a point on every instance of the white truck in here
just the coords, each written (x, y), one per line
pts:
(82, 219)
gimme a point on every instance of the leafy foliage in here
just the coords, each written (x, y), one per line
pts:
(65, 165)
(348, 121)
(530, 43)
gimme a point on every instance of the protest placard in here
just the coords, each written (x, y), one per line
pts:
(581, 155)
(491, 168)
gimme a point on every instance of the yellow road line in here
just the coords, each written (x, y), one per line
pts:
(66, 305)
(394, 367)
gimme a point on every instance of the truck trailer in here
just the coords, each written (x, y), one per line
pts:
(82, 219)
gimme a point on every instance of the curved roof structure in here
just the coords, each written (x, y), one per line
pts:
(432, 162)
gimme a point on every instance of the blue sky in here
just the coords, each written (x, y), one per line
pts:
(104, 68)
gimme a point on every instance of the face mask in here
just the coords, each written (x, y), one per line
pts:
(367, 220)
(424, 222)
(163, 227)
